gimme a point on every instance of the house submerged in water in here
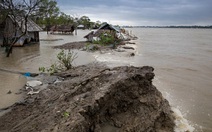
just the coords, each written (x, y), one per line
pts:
(62, 29)
(105, 27)
(12, 28)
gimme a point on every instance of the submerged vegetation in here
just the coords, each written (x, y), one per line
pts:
(106, 38)
(64, 62)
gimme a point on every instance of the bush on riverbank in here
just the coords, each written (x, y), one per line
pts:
(64, 62)
(106, 38)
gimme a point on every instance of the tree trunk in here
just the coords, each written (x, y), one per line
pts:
(9, 50)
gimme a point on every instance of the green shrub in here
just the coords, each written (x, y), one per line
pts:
(64, 62)
(42, 69)
(106, 38)
(53, 69)
(66, 114)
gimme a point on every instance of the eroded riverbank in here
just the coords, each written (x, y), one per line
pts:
(181, 58)
(95, 98)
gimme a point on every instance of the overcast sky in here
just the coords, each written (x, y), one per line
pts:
(142, 12)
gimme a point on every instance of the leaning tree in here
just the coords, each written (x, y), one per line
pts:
(19, 11)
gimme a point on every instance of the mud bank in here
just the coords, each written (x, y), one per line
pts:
(72, 45)
(94, 98)
(88, 46)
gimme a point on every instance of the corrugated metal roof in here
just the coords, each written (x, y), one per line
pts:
(104, 26)
(108, 25)
(31, 26)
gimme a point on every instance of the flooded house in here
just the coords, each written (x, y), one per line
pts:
(105, 27)
(12, 28)
(62, 29)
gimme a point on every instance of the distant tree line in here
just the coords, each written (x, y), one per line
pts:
(49, 14)
(45, 13)
(195, 26)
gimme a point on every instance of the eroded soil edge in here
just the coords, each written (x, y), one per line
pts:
(94, 98)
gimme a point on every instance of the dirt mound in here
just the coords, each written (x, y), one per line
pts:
(94, 99)
(72, 45)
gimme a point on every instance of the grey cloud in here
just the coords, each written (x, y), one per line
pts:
(144, 12)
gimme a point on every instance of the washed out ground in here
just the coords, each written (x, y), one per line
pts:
(93, 97)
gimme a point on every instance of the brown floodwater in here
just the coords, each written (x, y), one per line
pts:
(28, 59)
(182, 59)
(12, 86)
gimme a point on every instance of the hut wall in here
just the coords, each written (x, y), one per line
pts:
(1, 34)
(37, 37)
(13, 29)
(1, 40)
(31, 35)
(34, 36)
(9, 30)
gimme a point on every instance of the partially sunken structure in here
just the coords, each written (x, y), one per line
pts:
(63, 29)
(13, 27)
(105, 27)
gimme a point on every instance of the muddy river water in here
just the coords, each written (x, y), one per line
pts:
(182, 59)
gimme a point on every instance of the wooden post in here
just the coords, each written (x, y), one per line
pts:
(76, 31)
(38, 36)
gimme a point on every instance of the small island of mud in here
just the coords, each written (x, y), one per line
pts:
(73, 45)
(94, 98)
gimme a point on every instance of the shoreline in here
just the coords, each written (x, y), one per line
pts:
(71, 95)
(78, 45)
(88, 46)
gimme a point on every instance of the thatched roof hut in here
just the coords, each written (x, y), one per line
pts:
(64, 29)
(14, 26)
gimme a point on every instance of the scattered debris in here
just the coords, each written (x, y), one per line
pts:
(30, 86)
(27, 74)
(127, 42)
(9, 92)
(18, 93)
(127, 47)
(119, 50)
(33, 83)
(132, 54)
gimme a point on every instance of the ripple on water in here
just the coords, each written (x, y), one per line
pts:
(12, 82)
